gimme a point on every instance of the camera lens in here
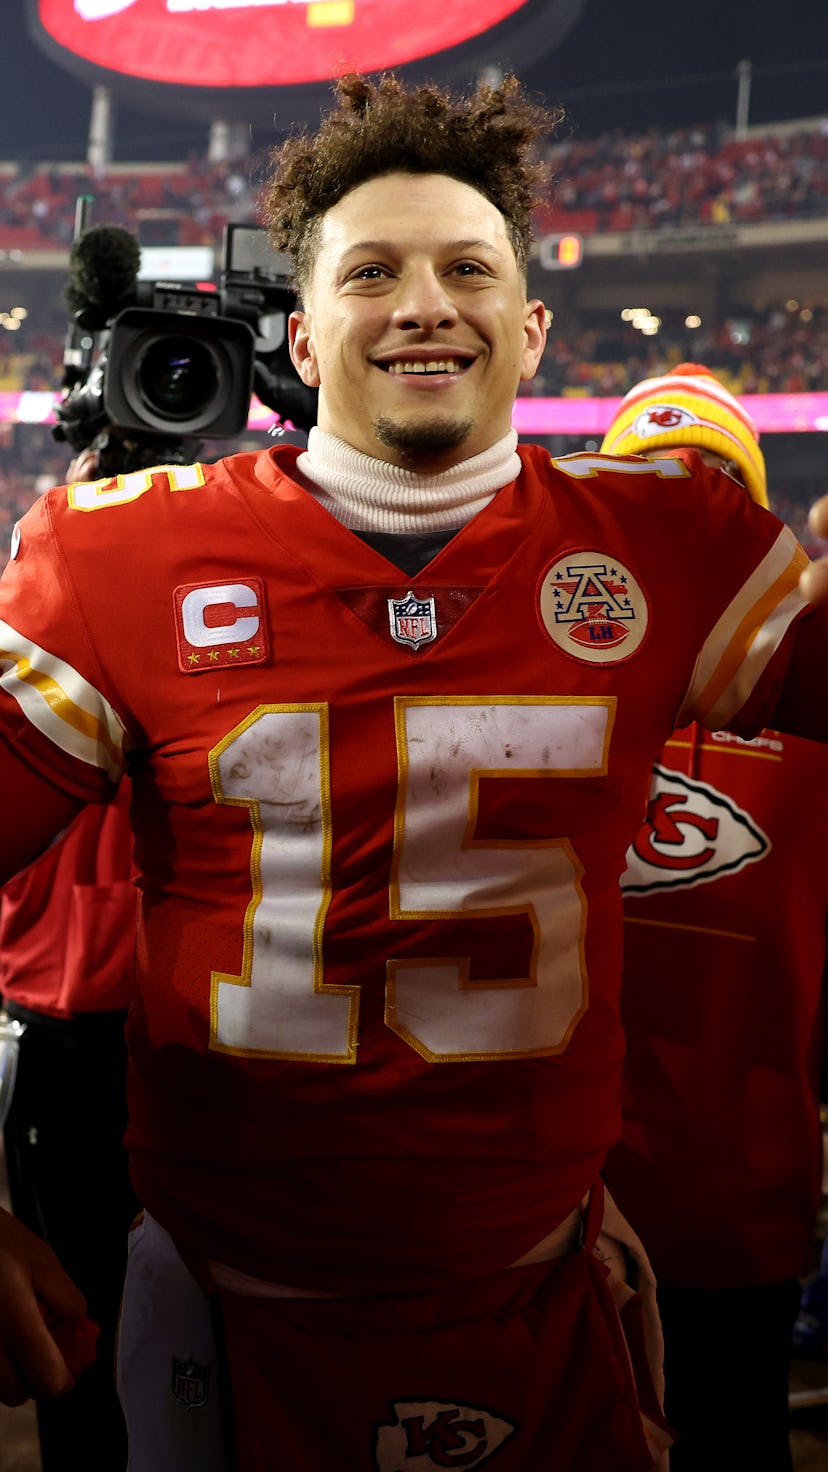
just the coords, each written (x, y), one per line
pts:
(177, 376)
(179, 373)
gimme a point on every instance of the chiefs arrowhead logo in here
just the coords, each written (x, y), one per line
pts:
(692, 834)
(658, 418)
(431, 1434)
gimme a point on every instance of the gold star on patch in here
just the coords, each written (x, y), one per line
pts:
(234, 653)
(193, 658)
(214, 654)
(254, 648)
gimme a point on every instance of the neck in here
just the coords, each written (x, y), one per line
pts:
(372, 495)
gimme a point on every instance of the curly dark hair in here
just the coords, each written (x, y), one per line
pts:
(485, 139)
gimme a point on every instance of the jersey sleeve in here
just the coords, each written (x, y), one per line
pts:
(55, 711)
(35, 813)
(736, 674)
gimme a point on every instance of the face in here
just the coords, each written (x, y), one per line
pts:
(416, 328)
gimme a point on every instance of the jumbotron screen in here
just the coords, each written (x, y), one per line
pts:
(263, 43)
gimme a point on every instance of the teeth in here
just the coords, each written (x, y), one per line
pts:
(444, 365)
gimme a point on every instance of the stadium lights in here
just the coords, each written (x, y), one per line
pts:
(642, 319)
(14, 319)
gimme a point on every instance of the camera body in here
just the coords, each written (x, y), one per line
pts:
(180, 362)
(179, 368)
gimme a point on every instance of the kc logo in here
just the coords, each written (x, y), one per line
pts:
(692, 834)
(664, 418)
(220, 624)
(433, 1434)
(660, 417)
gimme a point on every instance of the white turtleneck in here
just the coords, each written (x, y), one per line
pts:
(371, 495)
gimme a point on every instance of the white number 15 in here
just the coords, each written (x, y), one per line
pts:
(277, 764)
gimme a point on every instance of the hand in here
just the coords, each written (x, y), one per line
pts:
(84, 466)
(814, 581)
(32, 1284)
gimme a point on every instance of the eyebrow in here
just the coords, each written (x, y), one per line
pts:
(368, 246)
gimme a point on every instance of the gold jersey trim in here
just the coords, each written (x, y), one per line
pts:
(61, 704)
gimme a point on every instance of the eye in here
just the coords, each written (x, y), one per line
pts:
(371, 272)
(469, 268)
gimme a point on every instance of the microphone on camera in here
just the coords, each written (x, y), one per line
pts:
(103, 278)
(103, 275)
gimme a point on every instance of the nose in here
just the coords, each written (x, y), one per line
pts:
(423, 302)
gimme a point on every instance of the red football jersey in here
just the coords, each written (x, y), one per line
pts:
(68, 921)
(726, 902)
(380, 823)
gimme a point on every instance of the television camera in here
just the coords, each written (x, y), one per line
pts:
(153, 368)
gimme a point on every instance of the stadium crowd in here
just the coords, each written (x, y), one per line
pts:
(779, 350)
(691, 176)
(176, 204)
(616, 182)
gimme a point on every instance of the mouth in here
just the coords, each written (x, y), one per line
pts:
(450, 363)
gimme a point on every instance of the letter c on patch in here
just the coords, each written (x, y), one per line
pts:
(193, 606)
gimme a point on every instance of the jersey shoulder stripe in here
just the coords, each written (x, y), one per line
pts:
(61, 704)
(749, 631)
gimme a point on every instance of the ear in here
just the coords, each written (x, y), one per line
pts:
(534, 339)
(302, 354)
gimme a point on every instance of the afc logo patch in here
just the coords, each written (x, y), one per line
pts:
(428, 1435)
(220, 625)
(593, 608)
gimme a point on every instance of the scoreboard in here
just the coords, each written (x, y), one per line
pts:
(219, 44)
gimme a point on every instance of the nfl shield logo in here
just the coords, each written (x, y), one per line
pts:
(190, 1382)
(413, 620)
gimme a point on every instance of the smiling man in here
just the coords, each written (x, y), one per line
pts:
(417, 338)
(389, 706)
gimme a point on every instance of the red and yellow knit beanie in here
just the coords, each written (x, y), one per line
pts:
(689, 406)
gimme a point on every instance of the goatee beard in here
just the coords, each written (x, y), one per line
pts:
(422, 442)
